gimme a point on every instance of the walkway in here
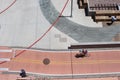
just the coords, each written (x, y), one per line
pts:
(64, 62)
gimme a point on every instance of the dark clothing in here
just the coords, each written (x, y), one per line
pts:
(78, 3)
(113, 19)
(79, 55)
(23, 73)
(84, 52)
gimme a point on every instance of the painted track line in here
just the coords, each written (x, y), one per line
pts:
(47, 30)
(8, 7)
(44, 33)
(5, 51)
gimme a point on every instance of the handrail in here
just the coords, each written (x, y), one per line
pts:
(95, 45)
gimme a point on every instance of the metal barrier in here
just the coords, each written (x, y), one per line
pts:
(95, 45)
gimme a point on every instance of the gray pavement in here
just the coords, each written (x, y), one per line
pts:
(74, 14)
(23, 23)
(77, 31)
(27, 20)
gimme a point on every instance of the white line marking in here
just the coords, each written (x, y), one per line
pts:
(5, 50)
(4, 59)
(4, 69)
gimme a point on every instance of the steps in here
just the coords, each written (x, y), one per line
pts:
(105, 18)
(100, 11)
(107, 12)
(104, 15)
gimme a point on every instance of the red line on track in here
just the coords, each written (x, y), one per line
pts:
(7, 7)
(3, 12)
(47, 30)
(44, 33)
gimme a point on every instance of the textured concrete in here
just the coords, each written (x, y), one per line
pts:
(74, 14)
(76, 31)
(21, 25)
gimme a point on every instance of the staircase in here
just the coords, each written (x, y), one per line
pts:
(100, 12)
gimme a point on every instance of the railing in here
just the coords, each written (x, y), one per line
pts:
(95, 45)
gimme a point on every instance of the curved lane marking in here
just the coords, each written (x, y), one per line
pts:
(45, 33)
(8, 7)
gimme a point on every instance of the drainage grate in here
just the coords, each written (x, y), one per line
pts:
(46, 61)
